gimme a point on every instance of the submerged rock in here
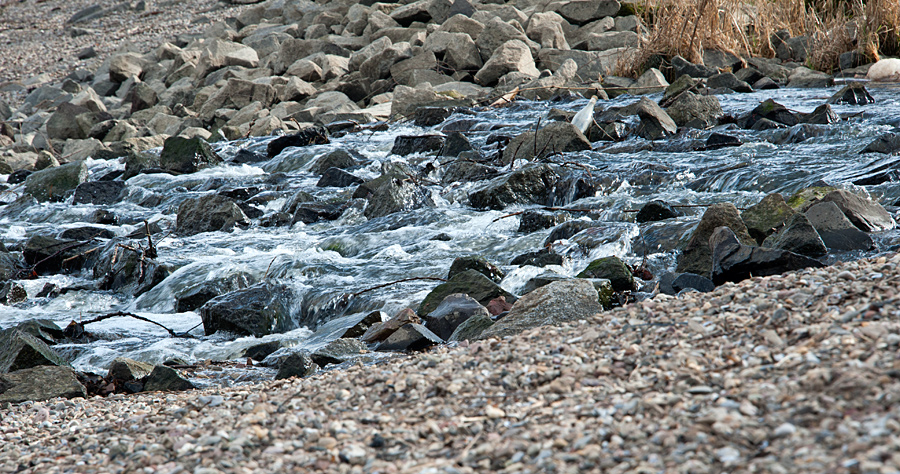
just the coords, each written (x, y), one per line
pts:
(187, 155)
(209, 213)
(656, 211)
(262, 309)
(853, 93)
(555, 303)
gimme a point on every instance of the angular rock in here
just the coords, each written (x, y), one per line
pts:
(125, 369)
(220, 53)
(209, 213)
(54, 184)
(547, 29)
(867, 215)
(835, 230)
(555, 303)
(727, 80)
(128, 272)
(260, 351)
(11, 293)
(540, 258)
(39, 384)
(21, 350)
(125, 66)
(187, 155)
(697, 257)
(529, 185)
(720, 140)
(469, 282)
(655, 122)
(71, 121)
(656, 211)
(338, 351)
(733, 261)
(193, 298)
(479, 264)
(452, 312)
(681, 66)
(512, 56)
(805, 77)
(407, 145)
(579, 12)
(532, 221)
(410, 337)
(471, 328)
(102, 193)
(45, 254)
(336, 177)
(262, 309)
(608, 41)
(694, 281)
(767, 216)
(651, 81)
(822, 115)
(298, 364)
(305, 137)
(854, 93)
(555, 137)
(770, 110)
(390, 193)
(166, 379)
(613, 269)
(798, 236)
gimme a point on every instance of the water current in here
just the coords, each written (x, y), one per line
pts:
(323, 261)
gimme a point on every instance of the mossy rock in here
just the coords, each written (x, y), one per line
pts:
(612, 269)
(55, 184)
(469, 282)
(806, 197)
(471, 328)
(479, 264)
(186, 155)
(764, 217)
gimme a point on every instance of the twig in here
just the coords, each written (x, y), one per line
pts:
(684, 206)
(383, 285)
(544, 209)
(270, 266)
(183, 335)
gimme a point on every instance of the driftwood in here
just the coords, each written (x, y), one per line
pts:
(77, 328)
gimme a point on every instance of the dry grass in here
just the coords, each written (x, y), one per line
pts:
(745, 27)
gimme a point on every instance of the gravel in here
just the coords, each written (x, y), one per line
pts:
(790, 373)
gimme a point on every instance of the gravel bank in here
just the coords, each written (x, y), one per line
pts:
(791, 373)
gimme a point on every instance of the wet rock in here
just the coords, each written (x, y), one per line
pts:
(554, 137)
(209, 213)
(46, 255)
(727, 80)
(806, 197)
(379, 331)
(471, 328)
(798, 236)
(770, 110)
(407, 145)
(767, 216)
(409, 337)
(805, 77)
(533, 221)
(656, 211)
(305, 137)
(125, 271)
(298, 364)
(689, 107)
(21, 350)
(697, 257)
(187, 155)
(338, 351)
(613, 269)
(262, 309)
(853, 93)
(104, 217)
(166, 379)
(836, 231)
(12, 292)
(512, 56)
(125, 369)
(457, 144)
(246, 156)
(822, 115)
(528, 185)
(312, 212)
(479, 264)
(390, 193)
(693, 281)
(336, 177)
(568, 229)
(86, 233)
(101, 193)
(452, 312)
(44, 329)
(39, 384)
(655, 122)
(260, 351)
(193, 298)
(540, 258)
(867, 215)
(733, 261)
(557, 302)
(9, 265)
(469, 282)
(55, 184)
(720, 140)
(340, 158)
(888, 143)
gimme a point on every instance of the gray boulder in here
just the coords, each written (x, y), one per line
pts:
(409, 337)
(798, 236)
(805, 77)
(390, 193)
(867, 215)
(125, 369)
(608, 41)
(690, 106)
(39, 384)
(733, 261)
(209, 213)
(613, 269)
(221, 53)
(125, 66)
(262, 309)
(21, 350)
(452, 312)
(555, 303)
(693, 281)
(655, 122)
(579, 12)
(166, 379)
(101, 193)
(765, 217)
(187, 155)
(727, 80)
(836, 231)
(547, 29)
(512, 56)
(338, 351)
(554, 137)
(298, 364)
(469, 282)
(697, 257)
(71, 121)
(471, 328)
(532, 184)
(854, 93)
(55, 184)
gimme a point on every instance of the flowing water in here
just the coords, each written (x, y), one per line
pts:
(324, 261)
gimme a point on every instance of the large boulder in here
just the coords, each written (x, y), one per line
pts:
(125, 66)
(689, 107)
(512, 56)
(655, 122)
(55, 184)
(39, 384)
(306, 137)
(452, 312)
(186, 155)
(298, 364)
(766, 216)
(209, 213)
(235, 94)
(497, 33)
(866, 214)
(580, 12)
(166, 379)
(696, 257)
(471, 328)
(555, 303)
(547, 29)
(734, 261)
(46, 254)
(479, 264)
(798, 236)
(836, 231)
(262, 309)
(338, 351)
(70, 121)
(529, 185)
(22, 350)
(613, 269)
(457, 50)
(554, 137)
(125, 271)
(470, 283)
(125, 369)
(219, 53)
(102, 193)
(409, 337)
